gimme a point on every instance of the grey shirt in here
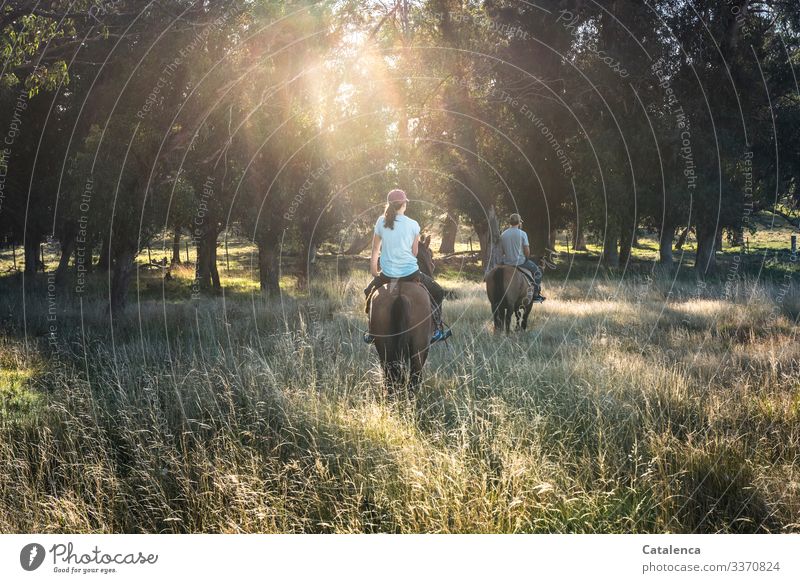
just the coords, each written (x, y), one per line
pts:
(512, 241)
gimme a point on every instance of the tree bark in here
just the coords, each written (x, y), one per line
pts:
(216, 283)
(737, 236)
(706, 261)
(360, 243)
(578, 240)
(682, 238)
(104, 262)
(206, 270)
(449, 232)
(268, 269)
(665, 244)
(32, 261)
(490, 241)
(176, 247)
(610, 257)
(625, 245)
(307, 260)
(539, 233)
(121, 278)
(67, 248)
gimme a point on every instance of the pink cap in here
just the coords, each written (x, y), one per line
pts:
(396, 195)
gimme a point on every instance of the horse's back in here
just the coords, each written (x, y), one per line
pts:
(417, 306)
(498, 282)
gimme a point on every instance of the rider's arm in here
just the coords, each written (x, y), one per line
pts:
(415, 246)
(527, 250)
(373, 258)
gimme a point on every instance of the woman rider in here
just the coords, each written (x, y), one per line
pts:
(397, 239)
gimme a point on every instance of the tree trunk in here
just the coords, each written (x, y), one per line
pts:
(610, 257)
(216, 283)
(665, 244)
(32, 262)
(307, 260)
(539, 232)
(268, 269)
(682, 238)
(104, 262)
(206, 271)
(578, 240)
(737, 236)
(625, 245)
(449, 232)
(176, 247)
(490, 242)
(360, 243)
(706, 262)
(67, 248)
(120, 279)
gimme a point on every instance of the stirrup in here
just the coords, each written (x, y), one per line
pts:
(440, 335)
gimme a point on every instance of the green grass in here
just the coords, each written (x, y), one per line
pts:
(640, 405)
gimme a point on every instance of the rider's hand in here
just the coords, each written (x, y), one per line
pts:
(374, 272)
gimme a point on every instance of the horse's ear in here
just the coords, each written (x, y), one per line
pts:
(426, 241)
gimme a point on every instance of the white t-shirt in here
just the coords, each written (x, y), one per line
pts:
(397, 259)
(512, 241)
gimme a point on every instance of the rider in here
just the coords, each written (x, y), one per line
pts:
(516, 251)
(397, 238)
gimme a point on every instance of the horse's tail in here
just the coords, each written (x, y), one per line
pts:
(399, 329)
(499, 288)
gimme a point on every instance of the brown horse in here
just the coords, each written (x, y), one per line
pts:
(507, 289)
(401, 322)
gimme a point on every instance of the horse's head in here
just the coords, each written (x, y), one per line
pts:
(425, 256)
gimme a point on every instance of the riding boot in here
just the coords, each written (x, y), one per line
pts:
(436, 315)
(439, 332)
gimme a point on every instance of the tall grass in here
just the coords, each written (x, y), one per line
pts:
(640, 406)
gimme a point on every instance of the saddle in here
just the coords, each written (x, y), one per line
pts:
(527, 273)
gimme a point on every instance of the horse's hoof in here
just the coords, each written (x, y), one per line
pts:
(368, 338)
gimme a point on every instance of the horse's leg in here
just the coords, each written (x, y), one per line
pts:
(497, 317)
(507, 319)
(518, 319)
(525, 315)
(415, 374)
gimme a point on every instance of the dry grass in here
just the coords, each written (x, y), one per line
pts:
(619, 411)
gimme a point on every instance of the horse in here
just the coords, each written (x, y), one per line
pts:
(507, 289)
(425, 256)
(400, 320)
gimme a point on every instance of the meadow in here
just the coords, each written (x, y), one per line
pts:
(634, 403)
